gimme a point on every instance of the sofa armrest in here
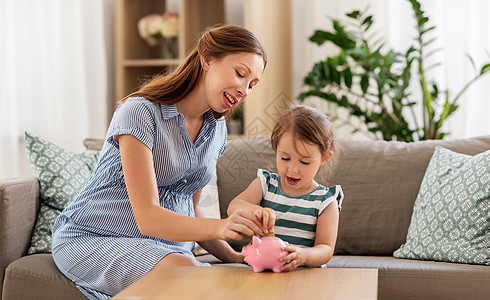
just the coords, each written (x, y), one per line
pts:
(19, 206)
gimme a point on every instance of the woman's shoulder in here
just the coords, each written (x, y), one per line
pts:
(140, 106)
(135, 102)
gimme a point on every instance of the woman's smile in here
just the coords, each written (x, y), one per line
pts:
(229, 100)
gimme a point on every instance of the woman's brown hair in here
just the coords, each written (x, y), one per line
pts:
(216, 43)
(310, 126)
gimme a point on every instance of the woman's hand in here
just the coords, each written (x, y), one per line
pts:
(268, 218)
(241, 222)
(296, 257)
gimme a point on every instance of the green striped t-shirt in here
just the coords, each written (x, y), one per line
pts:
(296, 217)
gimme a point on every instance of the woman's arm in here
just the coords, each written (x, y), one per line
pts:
(153, 220)
(219, 248)
(326, 237)
(249, 200)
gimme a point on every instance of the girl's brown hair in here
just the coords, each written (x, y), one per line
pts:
(215, 43)
(310, 126)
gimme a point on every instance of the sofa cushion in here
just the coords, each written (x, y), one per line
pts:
(93, 144)
(38, 273)
(451, 216)
(380, 181)
(19, 206)
(237, 168)
(404, 279)
(61, 174)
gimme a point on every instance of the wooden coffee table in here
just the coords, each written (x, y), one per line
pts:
(221, 282)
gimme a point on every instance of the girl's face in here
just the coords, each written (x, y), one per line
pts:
(228, 81)
(297, 164)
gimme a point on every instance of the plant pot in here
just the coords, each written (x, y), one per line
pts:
(235, 127)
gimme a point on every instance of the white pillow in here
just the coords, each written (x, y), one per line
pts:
(209, 203)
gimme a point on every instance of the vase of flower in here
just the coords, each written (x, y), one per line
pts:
(170, 47)
(170, 33)
(163, 31)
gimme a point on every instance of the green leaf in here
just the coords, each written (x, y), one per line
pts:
(415, 4)
(471, 61)
(367, 21)
(343, 101)
(347, 77)
(429, 41)
(427, 30)
(364, 83)
(319, 37)
(326, 70)
(354, 14)
(445, 112)
(485, 69)
(335, 75)
(422, 21)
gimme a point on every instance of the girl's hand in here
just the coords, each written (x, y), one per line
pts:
(295, 258)
(238, 258)
(240, 222)
(268, 218)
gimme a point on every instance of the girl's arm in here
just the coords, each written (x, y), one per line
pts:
(219, 248)
(153, 220)
(326, 237)
(249, 201)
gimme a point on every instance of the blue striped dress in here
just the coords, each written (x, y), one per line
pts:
(96, 241)
(296, 217)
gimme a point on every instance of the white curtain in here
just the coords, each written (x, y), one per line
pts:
(462, 27)
(53, 76)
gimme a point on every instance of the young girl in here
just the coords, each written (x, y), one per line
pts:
(138, 210)
(291, 203)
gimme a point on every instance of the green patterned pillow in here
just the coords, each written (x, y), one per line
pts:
(61, 174)
(451, 216)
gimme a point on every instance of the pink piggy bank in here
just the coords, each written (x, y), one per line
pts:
(264, 253)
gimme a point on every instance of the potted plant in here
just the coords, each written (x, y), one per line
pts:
(372, 82)
(234, 122)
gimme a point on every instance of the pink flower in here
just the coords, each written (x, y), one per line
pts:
(154, 27)
(170, 24)
(149, 28)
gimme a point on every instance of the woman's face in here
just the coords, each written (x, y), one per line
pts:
(228, 81)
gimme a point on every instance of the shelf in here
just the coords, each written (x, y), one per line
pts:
(150, 62)
(135, 60)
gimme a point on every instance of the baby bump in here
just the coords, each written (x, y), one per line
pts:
(176, 202)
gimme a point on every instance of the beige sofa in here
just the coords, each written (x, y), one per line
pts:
(380, 181)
